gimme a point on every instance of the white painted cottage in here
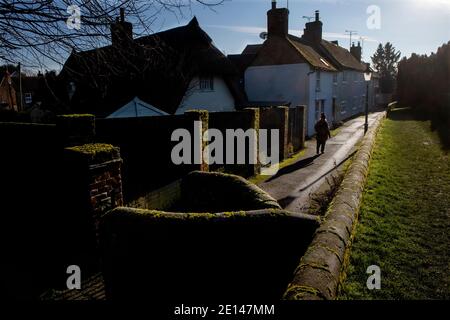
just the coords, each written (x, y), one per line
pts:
(168, 72)
(305, 70)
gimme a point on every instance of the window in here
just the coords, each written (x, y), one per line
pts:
(355, 103)
(28, 98)
(318, 81)
(344, 76)
(320, 108)
(343, 107)
(324, 62)
(206, 83)
(335, 78)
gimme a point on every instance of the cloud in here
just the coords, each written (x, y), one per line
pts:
(257, 30)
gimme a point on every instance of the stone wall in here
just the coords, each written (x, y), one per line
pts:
(320, 270)
(277, 118)
(245, 119)
(146, 147)
(162, 256)
(297, 129)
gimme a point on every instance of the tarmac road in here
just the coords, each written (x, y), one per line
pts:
(293, 185)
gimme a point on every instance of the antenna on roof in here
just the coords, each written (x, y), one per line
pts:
(263, 35)
(351, 33)
(307, 17)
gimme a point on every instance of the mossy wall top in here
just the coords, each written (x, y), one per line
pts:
(165, 256)
(216, 192)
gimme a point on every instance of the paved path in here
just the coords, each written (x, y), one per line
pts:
(293, 184)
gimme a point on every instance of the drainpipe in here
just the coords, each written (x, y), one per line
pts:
(308, 107)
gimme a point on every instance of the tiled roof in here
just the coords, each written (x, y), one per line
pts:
(342, 56)
(310, 54)
(252, 49)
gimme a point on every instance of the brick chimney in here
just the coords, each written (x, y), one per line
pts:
(277, 21)
(121, 31)
(356, 51)
(313, 30)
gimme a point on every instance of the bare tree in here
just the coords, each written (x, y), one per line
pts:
(39, 33)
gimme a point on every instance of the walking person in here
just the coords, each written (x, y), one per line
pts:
(322, 133)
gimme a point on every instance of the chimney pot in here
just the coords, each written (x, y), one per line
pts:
(122, 14)
(313, 30)
(274, 4)
(121, 31)
(278, 22)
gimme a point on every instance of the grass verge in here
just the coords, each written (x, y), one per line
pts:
(404, 217)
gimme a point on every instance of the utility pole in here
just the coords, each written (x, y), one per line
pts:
(351, 33)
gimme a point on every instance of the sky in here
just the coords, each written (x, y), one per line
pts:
(412, 26)
(418, 26)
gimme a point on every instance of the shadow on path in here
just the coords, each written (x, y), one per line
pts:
(294, 167)
(284, 202)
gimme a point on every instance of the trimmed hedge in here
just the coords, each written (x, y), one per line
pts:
(154, 255)
(215, 192)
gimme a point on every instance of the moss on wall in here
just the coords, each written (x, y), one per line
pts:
(216, 192)
(96, 153)
(156, 255)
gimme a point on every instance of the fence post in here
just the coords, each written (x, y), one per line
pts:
(203, 117)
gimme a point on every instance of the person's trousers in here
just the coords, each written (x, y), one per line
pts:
(321, 146)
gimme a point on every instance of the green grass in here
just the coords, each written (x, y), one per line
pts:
(405, 216)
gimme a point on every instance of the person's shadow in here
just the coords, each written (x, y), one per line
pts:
(294, 167)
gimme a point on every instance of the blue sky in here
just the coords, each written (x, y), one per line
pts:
(419, 26)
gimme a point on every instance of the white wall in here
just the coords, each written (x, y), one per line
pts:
(350, 94)
(290, 83)
(219, 99)
(326, 94)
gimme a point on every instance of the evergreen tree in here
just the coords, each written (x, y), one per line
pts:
(385, 61)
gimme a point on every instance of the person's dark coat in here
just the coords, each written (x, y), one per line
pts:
(322, 130)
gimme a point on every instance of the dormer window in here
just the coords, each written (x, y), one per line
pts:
(206, 83)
